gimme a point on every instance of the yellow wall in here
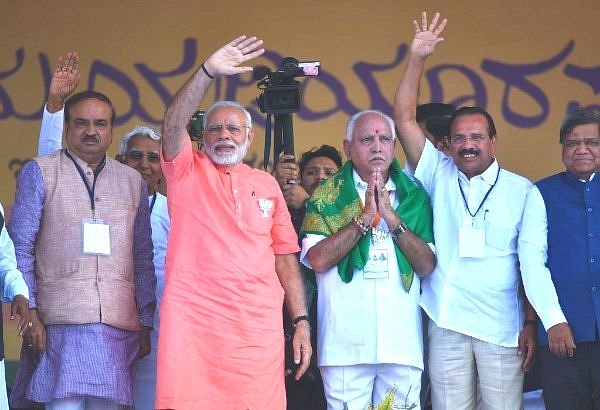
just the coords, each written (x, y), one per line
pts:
(340, 34)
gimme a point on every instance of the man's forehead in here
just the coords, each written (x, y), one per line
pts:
(89, 106)
(321, 162)
(472, 121)
(143, 139)
(221, 113)
(91, 102)
(372, 124)
(591, 130)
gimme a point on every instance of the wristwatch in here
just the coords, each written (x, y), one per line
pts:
(399, 230)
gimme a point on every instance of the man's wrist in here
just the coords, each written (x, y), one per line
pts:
(360, 225)
(300, 319)
(53, 107)
(211, 76)
(399, 230)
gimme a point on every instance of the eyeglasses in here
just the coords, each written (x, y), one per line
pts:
(233, 129)
(460, 139)
(137, 155)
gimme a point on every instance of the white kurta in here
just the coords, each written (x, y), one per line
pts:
(367, 321)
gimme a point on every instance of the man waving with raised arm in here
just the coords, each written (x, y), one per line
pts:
(480, 337)
(230, 259)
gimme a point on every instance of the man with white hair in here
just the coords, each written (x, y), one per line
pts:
(366, 234)
(231, 258)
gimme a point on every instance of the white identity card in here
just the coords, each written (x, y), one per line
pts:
(471, 242)
(96, 237)
(377, 265)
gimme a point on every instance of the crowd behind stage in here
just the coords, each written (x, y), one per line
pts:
(175, 276)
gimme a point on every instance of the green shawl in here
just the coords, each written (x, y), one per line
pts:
(335, 202)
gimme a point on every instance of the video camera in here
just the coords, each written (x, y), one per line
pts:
(281, 94)
(280, 98)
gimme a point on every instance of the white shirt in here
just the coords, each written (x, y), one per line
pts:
(367, 321)
(145, 377)
(11, 279)
(533, 253)
(51, 131)
(472, 296)
(160, 222)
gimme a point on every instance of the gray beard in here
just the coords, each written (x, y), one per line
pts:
(226, 159)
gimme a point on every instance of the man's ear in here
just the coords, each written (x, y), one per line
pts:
(250, 136)
(346, 145)
(494, 139)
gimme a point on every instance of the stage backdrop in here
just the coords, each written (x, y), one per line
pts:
(526, 62)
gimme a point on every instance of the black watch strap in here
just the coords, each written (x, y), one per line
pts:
(399, 230)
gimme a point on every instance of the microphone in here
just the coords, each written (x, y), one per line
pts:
(260, 72)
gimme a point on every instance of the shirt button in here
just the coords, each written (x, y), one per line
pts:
(592, 260)
(589, 209)
(97, 199)
(593, 288)
(235, 191)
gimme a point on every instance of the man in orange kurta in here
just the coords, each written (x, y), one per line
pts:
(230, 260)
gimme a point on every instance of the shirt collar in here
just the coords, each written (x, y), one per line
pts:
(81, 162)
(571, 175)
(488, 176)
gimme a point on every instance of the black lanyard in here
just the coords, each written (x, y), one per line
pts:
(152, 203)
(85, 181)
(484, 197)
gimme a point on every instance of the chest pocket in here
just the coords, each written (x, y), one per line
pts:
(258, 214)
(501, 232)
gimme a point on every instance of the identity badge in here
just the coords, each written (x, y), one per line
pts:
(377, 265)
(471, 242)
(96, 237)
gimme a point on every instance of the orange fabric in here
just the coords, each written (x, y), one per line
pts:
(220, 337)
(376, 219)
